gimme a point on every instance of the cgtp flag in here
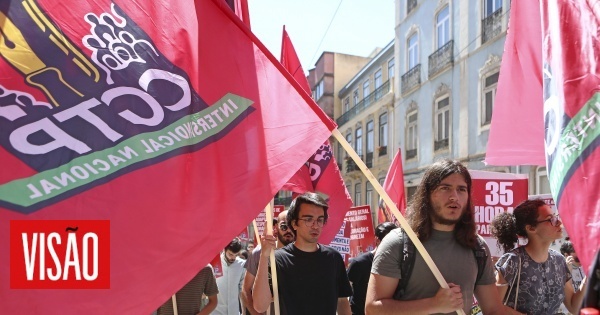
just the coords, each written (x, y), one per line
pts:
(320, 173)
(172, 125)
(394, 187)
(571, 115)
(518, 107)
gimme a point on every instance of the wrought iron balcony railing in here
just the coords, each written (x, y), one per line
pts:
(440, 144)
(411, 79)
(411, 153)
(382, 150)
(491, 26)
(364, 103)
(441, 58)
(351, 166)
(286, 201)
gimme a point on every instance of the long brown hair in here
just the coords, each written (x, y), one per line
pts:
(420, 208)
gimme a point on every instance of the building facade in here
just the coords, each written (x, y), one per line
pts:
(365, 117)
(448, 56)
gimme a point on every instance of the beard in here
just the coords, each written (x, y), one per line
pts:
(438, 218)
(286, 237)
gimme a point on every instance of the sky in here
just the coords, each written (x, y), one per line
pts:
(358, 27)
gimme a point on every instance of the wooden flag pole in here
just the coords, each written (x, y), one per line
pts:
(388, 201)
(269, 229)
(256, 234)
(174, 301)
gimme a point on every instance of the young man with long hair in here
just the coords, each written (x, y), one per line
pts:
(441, 214)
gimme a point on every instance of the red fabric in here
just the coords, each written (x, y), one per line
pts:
(518, 109)
(571, 53)
(394, 187)
(241, 10)
(321, 172)
(168, 218)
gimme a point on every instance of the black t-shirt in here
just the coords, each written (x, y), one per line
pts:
(310, 283)
(359, 273)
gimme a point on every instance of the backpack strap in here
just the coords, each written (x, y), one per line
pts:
(407, 262)
(481, 257)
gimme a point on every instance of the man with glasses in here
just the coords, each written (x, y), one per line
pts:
(285, 236)
(311, 277)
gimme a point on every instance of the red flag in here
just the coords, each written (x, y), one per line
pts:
(571, 84)
(394, 187)
(518, 108)
(241, 10)
(172, 125)
(321, 172)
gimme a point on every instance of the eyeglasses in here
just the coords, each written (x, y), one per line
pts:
(554, 220)
(283, 227)
(310, 222)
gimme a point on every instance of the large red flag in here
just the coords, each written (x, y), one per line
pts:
(320, 173)
(571, 113)
(516, 135)
(394, 187)
(170, 128)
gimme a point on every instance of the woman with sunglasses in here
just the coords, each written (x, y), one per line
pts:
(536, 277)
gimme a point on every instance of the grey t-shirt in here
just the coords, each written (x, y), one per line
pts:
(252, 262)
(456, 263)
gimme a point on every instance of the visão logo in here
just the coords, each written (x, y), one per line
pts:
(60, 254)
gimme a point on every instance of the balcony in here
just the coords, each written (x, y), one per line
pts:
(412, 153)
(286, 201)
(491, 26)
(364, 103)
(410, 6)
(411, 79)
(369, 160)
(351, 166)
(441, 58)
(440, 144)
(382, 150)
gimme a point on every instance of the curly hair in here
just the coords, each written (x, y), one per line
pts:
(420, 209)
(506, 227)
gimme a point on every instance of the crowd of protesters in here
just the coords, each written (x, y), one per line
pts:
(394, 278)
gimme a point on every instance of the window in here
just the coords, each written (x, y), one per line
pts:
(358, 146)
(383, 130)
(378, 80)
(391, 64)
(491, 6)
(442, 123)
(370, 136)
(413, 51)
(489, 94)
(443, 27)
(319, 90)
(355, 97)
(369, 195)
(357, 195)
(410, 193)
(340, 150)
(349, 139)
(543, 185)
(366, 89)
(411, 135)
(347, 104)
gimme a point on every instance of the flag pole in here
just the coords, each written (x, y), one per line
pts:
(269, 229)
(256, 234)
(174, 301)
(388, 201)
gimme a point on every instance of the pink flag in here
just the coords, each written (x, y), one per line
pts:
(516, 135)
(151, 135)
(571, 83)
(394, 187)
(241, 10)
(321, 172)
